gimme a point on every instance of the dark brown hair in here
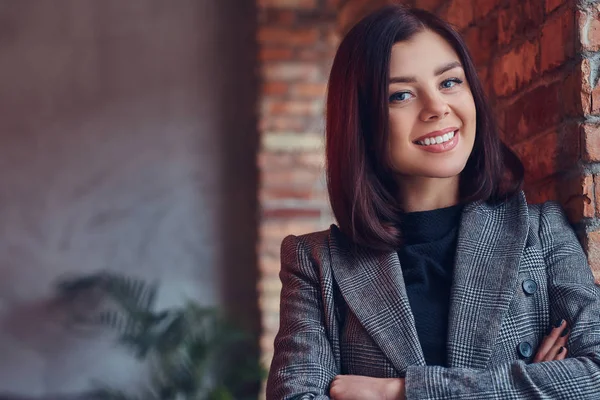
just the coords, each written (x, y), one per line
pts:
(362, 190)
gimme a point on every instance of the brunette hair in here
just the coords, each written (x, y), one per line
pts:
(362, 191)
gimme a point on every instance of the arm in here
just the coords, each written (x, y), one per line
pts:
(574, 297)
(303, 364)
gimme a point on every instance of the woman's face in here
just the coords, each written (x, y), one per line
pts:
(431, 109)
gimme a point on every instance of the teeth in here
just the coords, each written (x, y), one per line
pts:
(437, 140)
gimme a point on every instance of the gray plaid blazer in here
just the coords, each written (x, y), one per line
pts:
(345, 312)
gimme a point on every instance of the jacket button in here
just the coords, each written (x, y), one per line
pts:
(525, 349)
(529, 286)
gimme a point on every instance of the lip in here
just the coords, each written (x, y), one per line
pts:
(436, 133)
(442, 147)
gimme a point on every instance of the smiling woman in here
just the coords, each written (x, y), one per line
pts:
(439, 280)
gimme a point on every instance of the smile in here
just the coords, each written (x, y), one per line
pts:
(439, 144)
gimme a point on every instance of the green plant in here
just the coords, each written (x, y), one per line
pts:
(195, 353)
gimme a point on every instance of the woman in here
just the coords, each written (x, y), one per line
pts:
(440, 282)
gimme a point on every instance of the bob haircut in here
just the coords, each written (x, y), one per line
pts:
(360, 178)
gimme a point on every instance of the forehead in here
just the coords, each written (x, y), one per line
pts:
(422, 54)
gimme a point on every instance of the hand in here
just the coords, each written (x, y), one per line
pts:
(553, 345)
(356, 387)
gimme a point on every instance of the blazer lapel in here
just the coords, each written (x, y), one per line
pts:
(373, 287)
(490, 243)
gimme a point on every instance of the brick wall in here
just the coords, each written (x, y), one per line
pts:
(539, 62)
(297, 42)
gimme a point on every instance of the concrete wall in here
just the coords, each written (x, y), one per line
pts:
(127, 141)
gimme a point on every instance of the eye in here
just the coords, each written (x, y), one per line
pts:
(450, 83)
(400, 97)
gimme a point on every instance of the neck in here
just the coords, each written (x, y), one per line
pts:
(424, 194)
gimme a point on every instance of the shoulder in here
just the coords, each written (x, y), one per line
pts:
(554, 230)
(549, 215)
(314, 245)
(308, 240)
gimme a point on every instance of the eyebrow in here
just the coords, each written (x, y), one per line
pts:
(438, 72)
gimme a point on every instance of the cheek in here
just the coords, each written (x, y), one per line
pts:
(400, 126)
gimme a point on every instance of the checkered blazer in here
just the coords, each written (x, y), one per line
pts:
(345, 312)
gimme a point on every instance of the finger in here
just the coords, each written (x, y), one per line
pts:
(561, 354)
(555, 351)
(561, 342)
(550, 340)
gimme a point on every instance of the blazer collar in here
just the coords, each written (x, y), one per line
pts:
(490, 242)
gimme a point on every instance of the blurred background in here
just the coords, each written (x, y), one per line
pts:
(179, 141)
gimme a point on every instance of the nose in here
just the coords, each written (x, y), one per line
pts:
(435, 107)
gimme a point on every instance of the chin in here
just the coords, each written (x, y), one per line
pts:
(442, 172)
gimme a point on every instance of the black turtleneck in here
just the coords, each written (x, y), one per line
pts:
(427, 260)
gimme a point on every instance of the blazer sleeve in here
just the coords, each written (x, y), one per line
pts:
(303, 364)
(574, 297)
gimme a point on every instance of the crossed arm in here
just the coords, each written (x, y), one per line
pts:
(304, 365)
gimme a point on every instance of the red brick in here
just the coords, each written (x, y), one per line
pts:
(591, 142)
(287, 123)
(274, 88)
(547, 154)
(575, 101)
(318, 56)
(352, 11)
(483, 74)
(596, 196)
(459, 13)
(271, 320)
(276, 17)
(294, 107)
(558, 40)
(534, 112)
(551, 5)
(570, 146)
(270, 264)
(286, 193)
(295, 4)
(589, 28)
(538, 156)
(310, 160)
(276, 230)
(507, 26)
(291, 212)
(595, 106)
(309, 90)
(334, 4)
(471, 37)
(274, 161)
(488, 37)
(577, 197)
(516, 69)
(500, 115)
(586, 71)
(517, 18)
(482, 41)
(592, 247)
(429, 5)
(289, 177)
(275, 54)
(541, 191)
(269, 248)
(288, 37)
(483, 8)
(291, 71)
